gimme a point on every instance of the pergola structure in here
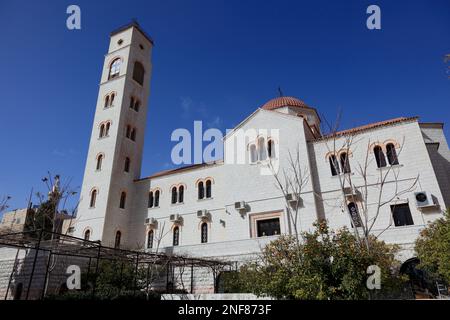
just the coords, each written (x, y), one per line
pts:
(56, 244)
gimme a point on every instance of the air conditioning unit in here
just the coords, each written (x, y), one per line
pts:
(240, 205)
(175, 217)
(203, 214)
(151, 221)
(292, 198)
(424, 199)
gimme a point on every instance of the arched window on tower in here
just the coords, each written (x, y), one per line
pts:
(204, 232)
(133, 134)
(262, 152)
(113, 95)
(253, 154)
(176, 236)
(127, 165)
(174, 195)
(114, 69)
(123, 199)
(201, 190)
(87, 234)
(138, 73)
(117, 240)
(132, 103)
(181, 194)
(157, 198)
(137, 104)
(107, 126)
(99, 162)
(150, 239)
(345, 162)
(150, 199)
(106, 102)
(128, 132)
(271, 148)
(208, 188)
(102, 131)
(391, 154)
(379, 156)
(334, 165)
(93, 198)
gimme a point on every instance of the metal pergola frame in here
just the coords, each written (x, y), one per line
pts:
(57, 244)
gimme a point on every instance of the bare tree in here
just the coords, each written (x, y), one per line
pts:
(4, 203)
(360, 186)
(291, 181)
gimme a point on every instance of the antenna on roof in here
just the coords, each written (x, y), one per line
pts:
(280, 92)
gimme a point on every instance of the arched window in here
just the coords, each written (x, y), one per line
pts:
(117, 240)
(113, 95)
(157, 198)
(93, 198)
(102, 131)
(176, 236)
(253, 154)
(262, 153)
(150, 199)
(138, 72)
(87, 234)
(208, 188)
(137, 104)
(132, 103)
(181, 194)
(201, 190)
(271, 148)
(174, 195)
(108, 125)
(114, 70)
(345, 163)
(391, 154)
(127, 165)
(99, 162)
(133, 134)
(106, 102)
(379, 157)
(334, 165)
(204, 230)
(150, 239)
(128, 132)
(123, 198)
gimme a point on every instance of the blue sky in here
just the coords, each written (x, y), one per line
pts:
(215, 61)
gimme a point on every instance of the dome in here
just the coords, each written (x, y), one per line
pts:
(284, 102)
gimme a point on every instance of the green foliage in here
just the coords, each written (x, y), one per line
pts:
(433, 248)
(324, 265)
(115, 281)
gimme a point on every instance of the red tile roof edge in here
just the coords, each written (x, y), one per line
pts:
(367, 127)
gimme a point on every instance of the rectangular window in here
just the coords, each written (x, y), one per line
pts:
(401, 215)
(268, 227)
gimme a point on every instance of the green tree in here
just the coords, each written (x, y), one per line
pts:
(325, 265)
(433, 248)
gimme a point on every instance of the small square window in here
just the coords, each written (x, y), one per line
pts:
(402, 215)
(268, 227)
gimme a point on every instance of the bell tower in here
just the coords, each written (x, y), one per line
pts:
(117, 139)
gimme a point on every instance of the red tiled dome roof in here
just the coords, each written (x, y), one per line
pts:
(284, 102)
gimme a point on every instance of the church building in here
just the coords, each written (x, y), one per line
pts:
(231, 210)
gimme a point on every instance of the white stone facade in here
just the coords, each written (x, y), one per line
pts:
(424, 154)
